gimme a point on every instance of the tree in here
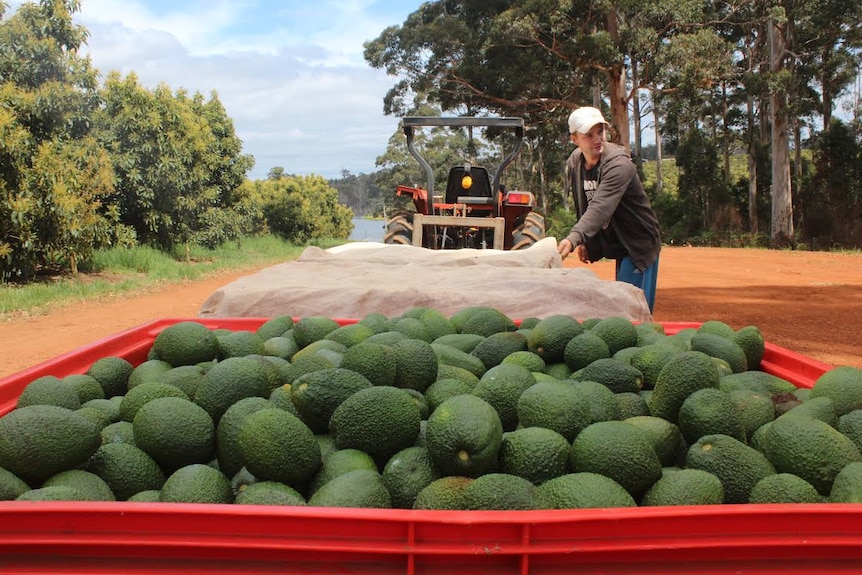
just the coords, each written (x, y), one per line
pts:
(275, 173)
(359, 192)
(780, 40)
(72, 179)
(834, 201)
(228, 165)
(475, 57)
(303, 208)
(701, 189)
(231, 215)
(53, 176)
(833, 54)
(539, 59)
(796, 57)
(752, 71)
(176, 158)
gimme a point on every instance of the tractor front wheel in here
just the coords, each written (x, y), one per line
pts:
(399, 230)
(529, 232)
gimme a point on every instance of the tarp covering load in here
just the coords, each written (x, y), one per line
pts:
(355, 279)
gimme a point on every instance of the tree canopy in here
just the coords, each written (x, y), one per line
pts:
(750, 75)
(85, 166)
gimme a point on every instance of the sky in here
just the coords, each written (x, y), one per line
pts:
(290, 73)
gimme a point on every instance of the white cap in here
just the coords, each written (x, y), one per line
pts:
(584, 118)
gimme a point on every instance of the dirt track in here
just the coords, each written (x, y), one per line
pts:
(809, 302)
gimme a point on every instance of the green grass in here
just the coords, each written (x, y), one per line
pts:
(129, 270)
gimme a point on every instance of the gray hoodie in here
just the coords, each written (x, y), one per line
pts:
(620, 204)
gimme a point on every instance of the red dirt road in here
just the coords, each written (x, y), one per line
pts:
(809, 302)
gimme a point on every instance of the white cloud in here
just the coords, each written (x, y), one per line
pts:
(194, 25)
(289, 73)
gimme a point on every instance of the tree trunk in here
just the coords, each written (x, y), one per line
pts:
(597, 93)
(782, 200)
(543, 191)
(617, 93)
(619, 105)
(726, 132)
(826, 88)
(753, 223)
(636, 117)
(797, 151)
(659, 179)
(756, 130)
(797, 170)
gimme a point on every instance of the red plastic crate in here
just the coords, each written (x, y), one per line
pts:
(122, 537)
(170, 538)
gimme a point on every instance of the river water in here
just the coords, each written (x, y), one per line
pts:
(367, 230)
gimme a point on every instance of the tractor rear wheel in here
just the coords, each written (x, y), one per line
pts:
(399, 230)
(529, 232)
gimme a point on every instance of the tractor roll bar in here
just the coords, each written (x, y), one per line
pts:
(410, 122)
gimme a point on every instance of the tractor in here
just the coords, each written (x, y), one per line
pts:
(476, 210)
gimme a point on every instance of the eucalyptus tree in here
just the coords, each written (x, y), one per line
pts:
(752, 69)
(463, 53)
(538, 59)
(472, 57)
(832, 40)
(834, 197)
(790, 60)
(813, 50)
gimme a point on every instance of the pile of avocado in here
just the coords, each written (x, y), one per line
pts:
(470, 411)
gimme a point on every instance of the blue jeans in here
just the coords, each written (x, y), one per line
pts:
(646, 280)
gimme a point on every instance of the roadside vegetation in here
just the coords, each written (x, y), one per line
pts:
(121, 270)
(90, 167)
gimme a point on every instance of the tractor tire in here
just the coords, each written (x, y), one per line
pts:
(399, 229)
(529, 232)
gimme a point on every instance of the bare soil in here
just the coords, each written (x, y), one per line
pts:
(808, 302)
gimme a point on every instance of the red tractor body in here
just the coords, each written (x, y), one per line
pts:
(476, 211)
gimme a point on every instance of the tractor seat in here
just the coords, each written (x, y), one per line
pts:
(478, 193)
